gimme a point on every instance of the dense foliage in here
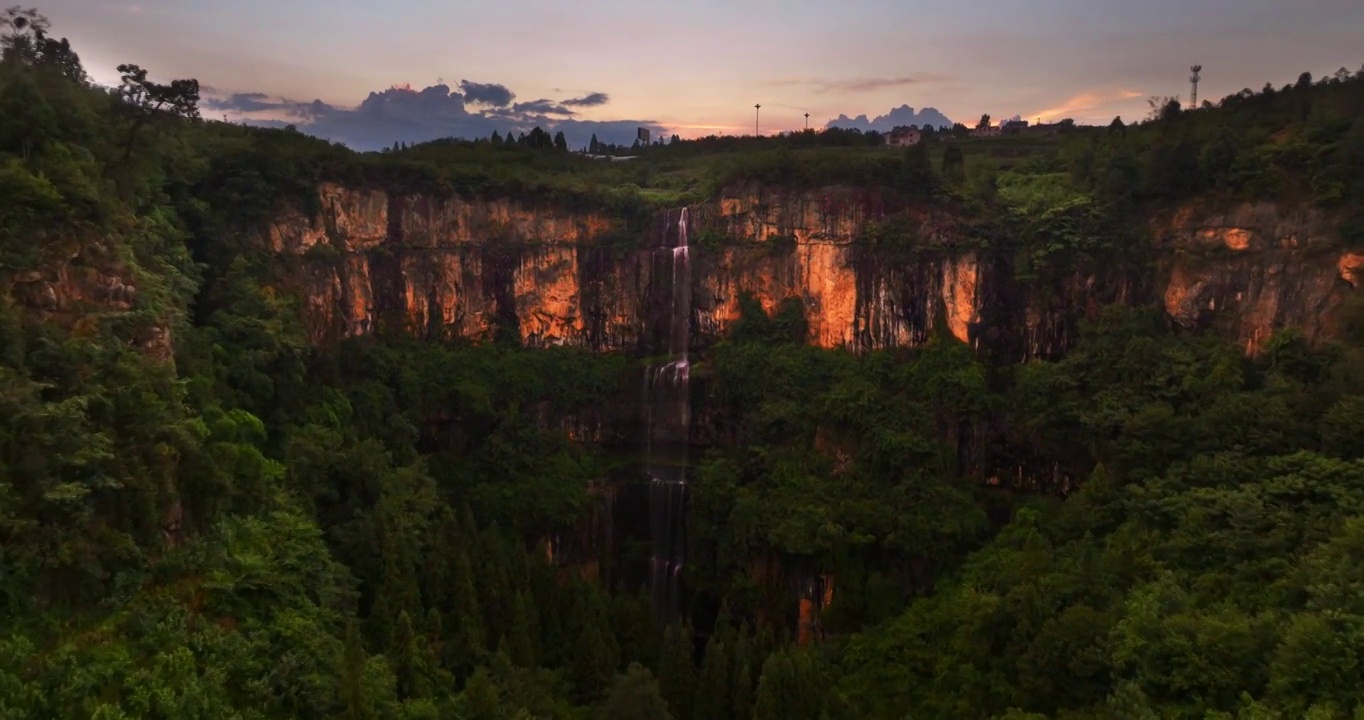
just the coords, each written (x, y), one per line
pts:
(203, 515)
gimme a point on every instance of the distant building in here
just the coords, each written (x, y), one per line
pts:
(903, 137)
(984, 132)
(1013, 127)
(1049, 129)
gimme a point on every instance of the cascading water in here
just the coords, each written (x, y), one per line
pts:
(668, 406)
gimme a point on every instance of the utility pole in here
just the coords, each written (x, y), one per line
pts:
(756, 109)
(807, 121)
(1194, 78)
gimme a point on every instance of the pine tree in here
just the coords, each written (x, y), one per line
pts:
(521, 648)
(560, 142)
(595, 663)
(743, 673)
(713, 698)
(435, 579)
(677, 670)
(353, 662)
(494, 585)
(481, 699)
(777, 694)
(467, 645)
(398, 591)
(594, 146)
(495, 139)
(434, 631)
(633, 621)
(743, 690)
(635, 696)
(406, 658)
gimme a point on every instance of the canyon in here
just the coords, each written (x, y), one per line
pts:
(433, 267)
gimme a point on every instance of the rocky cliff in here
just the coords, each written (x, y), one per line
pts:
(473, 269)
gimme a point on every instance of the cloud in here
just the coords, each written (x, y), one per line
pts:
(903, 115)
(542, 107)
(256, 103)
(588, 100)
(1086, 103)
(861, 85)
(404, 114)
(491, 94)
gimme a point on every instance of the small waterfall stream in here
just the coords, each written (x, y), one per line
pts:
(668, 418)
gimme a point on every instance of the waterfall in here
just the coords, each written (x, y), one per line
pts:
(668, 421)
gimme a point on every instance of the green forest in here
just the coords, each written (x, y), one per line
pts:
(205, 515)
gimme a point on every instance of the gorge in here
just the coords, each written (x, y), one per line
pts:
(759, 428)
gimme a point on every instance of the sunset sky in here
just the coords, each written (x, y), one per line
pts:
(698, 67)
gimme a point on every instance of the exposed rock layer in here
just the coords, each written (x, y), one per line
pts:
(474, 269)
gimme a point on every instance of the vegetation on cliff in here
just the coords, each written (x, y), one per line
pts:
(202, 515)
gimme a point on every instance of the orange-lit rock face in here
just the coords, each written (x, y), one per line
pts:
(1348, 265)
(960, 277)
(1281, 275)
(887, 307)
(357, 219)
(547, 298)
(805, 622)
(460, 268)
(428, 222)
(830, 292)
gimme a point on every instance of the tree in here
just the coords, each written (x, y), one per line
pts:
(635, 696)
(496, 139)
(147, 101)
(677, 669)
(916, 171)
(353, 674)
(594, 146)
(407, 658)
(22, 28)
(521, 647)
(560, 143)
(595, 662)
(25, 40)
(953, 163)
(468, 638)
(984, 122)
(714, 701)
(1162, 108)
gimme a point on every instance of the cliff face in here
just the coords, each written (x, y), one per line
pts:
(475, 269)
(1254, 269)
(82, 288)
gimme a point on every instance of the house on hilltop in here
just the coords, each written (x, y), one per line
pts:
(1049, 129)
(903, 136)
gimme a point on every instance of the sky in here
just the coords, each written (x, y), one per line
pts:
(697, 68)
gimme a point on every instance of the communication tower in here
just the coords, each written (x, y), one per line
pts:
(1194, 78)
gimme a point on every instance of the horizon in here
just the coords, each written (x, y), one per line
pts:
(608, 69)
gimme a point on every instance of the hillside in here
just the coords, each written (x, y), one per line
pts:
(741, 428)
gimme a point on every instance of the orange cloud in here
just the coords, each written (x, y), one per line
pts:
(1084, 103)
